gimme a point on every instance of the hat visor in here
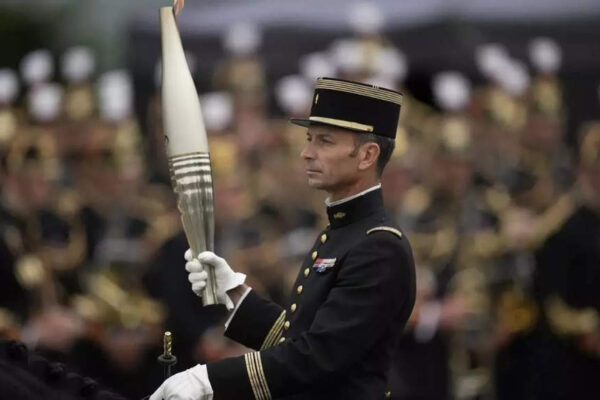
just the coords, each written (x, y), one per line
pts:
(301, 121)
(307, 122)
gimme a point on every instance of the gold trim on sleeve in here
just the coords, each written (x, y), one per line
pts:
(275, 331)
(385, 229)
(255, 360)
(252, 377)
(342, 123)
(261, 376)
(277, 339)
(566, 320)
(258, 381)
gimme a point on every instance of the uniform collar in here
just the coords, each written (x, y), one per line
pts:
(355, 207)
(345, 199)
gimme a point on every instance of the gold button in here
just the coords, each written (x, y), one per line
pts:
(306, 272)
(388, 395)
(282, 340)
(323, 238)
(314, 255)
(293, 307)
(299, 290)
(286, 326)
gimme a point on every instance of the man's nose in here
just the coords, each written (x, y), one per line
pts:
(307, 152)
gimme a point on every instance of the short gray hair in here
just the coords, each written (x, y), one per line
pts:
(386, 148)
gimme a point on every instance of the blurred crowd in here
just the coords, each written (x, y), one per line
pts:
(503, 217)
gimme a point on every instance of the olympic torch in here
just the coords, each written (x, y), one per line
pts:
(187, 147)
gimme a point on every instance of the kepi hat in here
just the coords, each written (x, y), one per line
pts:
(354, 106)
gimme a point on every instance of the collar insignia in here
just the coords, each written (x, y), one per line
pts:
(339, 215)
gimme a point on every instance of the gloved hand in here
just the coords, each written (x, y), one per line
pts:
(191, 384)
(227, 279)
(178, 6)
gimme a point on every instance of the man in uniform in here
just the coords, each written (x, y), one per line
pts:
(355, 289)
(566, 347)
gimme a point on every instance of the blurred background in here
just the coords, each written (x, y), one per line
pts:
(495, 180)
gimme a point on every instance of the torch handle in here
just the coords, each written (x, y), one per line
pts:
(209, 296)
(191, 178)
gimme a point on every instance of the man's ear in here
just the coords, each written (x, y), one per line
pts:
(368, 154)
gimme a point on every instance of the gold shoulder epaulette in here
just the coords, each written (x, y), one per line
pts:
(386, 229)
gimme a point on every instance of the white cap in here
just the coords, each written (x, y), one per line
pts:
(514, 78)
(545, 55)
(242, 39)
(192, 62)
(346, 55)
(391, 64)
(217, 110)
(366, 18)
(294, 94)
(490, 59)
(452, 90)
(37, 67)
(44, 102)
(77, 64)
(115, 95)
(9, 86)
(316, 65)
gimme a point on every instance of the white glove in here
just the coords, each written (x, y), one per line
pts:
(191, 384)
(227, 279)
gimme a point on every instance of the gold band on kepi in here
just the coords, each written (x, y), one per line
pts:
(342, 124)
(354, 106)
(361, 89)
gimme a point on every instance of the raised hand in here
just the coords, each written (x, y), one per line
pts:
(178, 6)
(227, 279)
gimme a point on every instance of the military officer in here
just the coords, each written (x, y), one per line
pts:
(566, 282)
(355, 289)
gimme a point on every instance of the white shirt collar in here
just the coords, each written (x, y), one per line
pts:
(354, 196)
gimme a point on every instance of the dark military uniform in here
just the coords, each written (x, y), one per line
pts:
(567, 283)
(26, 375)
(352, 298)
(13, 295)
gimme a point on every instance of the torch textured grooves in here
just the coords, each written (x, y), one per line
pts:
(192, 181)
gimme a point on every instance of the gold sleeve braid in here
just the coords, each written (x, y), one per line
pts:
(275, 332)
(566, 320)
(258, 381)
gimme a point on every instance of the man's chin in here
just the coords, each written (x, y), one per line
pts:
(316, 184)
